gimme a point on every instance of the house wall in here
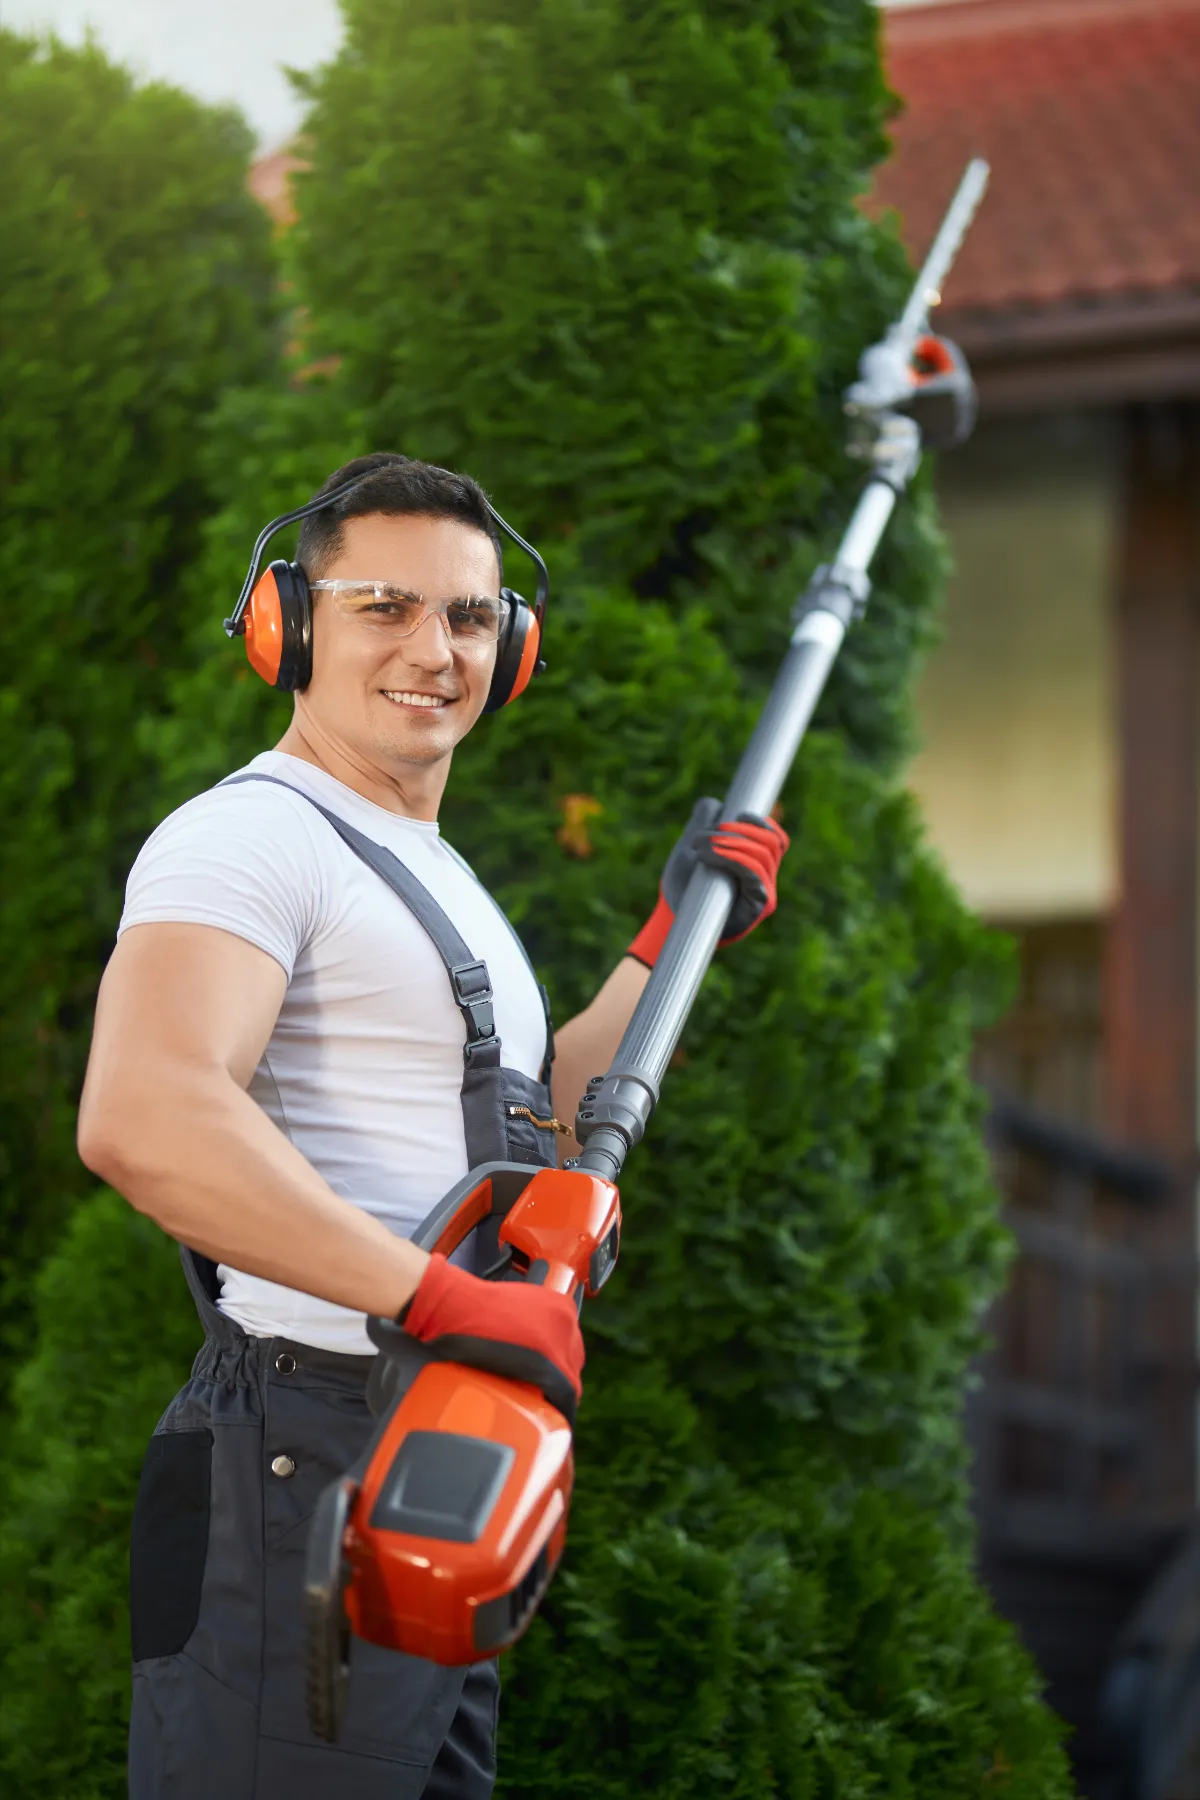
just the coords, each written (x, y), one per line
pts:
(1016, 774)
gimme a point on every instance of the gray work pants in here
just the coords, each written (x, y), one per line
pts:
(216, 1578)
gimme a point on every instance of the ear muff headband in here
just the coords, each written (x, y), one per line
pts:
(274, 613)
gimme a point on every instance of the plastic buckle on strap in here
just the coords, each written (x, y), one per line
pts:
(473, 992)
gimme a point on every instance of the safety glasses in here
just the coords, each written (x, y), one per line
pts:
(470, 621)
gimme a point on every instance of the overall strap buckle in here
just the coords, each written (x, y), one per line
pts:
(473, 993)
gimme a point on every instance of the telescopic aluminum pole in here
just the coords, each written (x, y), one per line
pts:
(617, 1106)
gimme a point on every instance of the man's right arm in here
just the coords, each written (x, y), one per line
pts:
(183, 1016)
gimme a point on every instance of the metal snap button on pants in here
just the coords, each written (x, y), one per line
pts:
(234, 1470)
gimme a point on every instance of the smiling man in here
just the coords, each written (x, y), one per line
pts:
(314, 1022)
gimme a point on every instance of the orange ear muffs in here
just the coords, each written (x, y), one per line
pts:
(278, 621)
(516, 653)
(274, 610)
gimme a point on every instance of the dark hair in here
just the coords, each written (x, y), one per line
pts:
(394, 485)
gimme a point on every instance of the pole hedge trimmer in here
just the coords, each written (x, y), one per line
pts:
(443, 1539)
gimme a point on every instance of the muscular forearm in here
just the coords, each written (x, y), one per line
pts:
(587, 1043)
(196, 1154)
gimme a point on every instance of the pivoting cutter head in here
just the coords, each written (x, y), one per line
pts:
(928, 382)
(444, 1537)
(911, 372)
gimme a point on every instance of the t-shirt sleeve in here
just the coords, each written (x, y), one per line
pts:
(244, 859)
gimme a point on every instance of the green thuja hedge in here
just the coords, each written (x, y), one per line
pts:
(607, 257)
(111, 1344)
(137, 285)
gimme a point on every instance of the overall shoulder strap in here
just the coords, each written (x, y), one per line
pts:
(548, 1059)
(469, 977)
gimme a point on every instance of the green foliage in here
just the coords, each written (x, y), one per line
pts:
(607, 258)
(137, 284)
(799, 1641)
(111, 1344)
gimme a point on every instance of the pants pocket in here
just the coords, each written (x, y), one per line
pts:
(169, 1543)
(524, 1102)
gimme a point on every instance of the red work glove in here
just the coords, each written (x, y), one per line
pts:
(748, 848)
(508, 1328)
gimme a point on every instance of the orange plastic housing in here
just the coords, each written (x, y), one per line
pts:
(570, 1221)
(457, 1601)
(933, 359)
(264, 628)
(461, 1515)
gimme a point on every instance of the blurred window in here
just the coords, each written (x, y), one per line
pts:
(1017, 764)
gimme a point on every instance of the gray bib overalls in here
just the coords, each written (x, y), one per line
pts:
(231, 1477)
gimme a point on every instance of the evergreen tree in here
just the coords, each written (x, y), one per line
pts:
(608, 259)
(137, 284)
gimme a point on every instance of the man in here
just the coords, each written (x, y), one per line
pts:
(277, 1078)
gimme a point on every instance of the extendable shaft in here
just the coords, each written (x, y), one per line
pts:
(617, 1106)
(614, 1112)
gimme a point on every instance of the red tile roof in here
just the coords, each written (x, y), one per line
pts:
(1089, 112)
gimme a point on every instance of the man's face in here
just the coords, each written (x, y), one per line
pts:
(401, 700)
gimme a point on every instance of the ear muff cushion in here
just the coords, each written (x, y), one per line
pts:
(516, 658)
(279, 627)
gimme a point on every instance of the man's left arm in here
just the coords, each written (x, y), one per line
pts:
(748, 848)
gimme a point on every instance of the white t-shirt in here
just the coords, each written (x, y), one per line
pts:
(364, 1068)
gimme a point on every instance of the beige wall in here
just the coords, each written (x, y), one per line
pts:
(1016, 773)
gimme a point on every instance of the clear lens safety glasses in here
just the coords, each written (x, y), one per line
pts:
(469, 620)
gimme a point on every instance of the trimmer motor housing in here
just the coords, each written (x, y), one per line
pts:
(443, 1539)
(929, 382)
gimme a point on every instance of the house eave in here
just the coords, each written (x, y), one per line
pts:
(1082, 351)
